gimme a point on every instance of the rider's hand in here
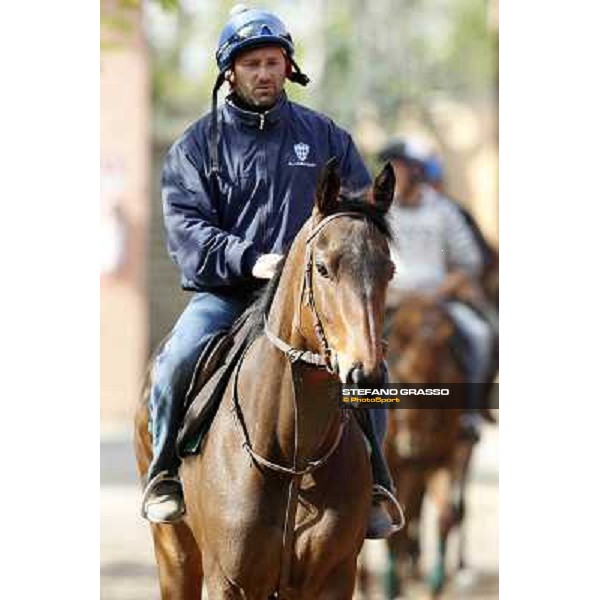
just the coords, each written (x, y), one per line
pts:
(264, 267)
(451, 285)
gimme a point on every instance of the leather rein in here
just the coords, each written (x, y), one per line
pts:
(312, 359)
(297, 354)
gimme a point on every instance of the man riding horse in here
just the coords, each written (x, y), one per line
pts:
(435, 177)
(237, 187)
(436, 253)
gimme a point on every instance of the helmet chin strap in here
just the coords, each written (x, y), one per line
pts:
(297, 76)
(214, 128)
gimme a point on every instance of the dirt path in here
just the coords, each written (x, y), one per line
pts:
(127, 561)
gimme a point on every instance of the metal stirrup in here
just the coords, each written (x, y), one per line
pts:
(380, 492)
(150, 486)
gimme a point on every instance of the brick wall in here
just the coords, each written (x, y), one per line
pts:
(125, 166)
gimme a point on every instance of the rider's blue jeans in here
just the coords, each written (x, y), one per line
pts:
(173, 370)
(205, 314)
(479, 349)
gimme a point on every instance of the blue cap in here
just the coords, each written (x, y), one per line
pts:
(434, 169)
(250, 28)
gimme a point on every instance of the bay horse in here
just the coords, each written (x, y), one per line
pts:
(279, 496)
(423, 446)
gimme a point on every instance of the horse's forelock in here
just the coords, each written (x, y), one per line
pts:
(359, 203)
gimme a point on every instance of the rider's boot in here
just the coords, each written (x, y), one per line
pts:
(380, 524)
(162, 501)
(470, 418)
(470, 425)
(173, 372)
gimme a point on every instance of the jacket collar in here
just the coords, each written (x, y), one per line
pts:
(255, 119)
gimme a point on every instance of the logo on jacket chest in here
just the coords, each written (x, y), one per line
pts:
(302, 151)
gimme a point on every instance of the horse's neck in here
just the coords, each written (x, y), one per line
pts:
(283, 316)
(307, 411)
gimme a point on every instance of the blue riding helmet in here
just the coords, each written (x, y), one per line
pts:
(250, 28)
(434, 169)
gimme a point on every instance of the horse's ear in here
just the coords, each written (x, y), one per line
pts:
(383, 188)
(328, 187)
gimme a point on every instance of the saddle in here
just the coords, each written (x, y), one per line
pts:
(211, 375)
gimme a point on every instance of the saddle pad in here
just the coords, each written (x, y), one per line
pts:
(208, 362)
(207, 389)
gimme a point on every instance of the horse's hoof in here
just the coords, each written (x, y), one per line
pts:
(465, 578)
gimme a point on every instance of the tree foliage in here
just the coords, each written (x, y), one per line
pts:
(387, 54)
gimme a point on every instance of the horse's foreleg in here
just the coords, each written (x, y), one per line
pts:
(363, 577)
(393, 576)
(177, 554)
(339, 584)
(436, 578)
(179, 562)
(404, 546)
(462, 460)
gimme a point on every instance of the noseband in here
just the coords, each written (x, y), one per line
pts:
(307, 297)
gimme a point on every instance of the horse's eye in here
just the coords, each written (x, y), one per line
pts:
(322, 270)
(391, 270)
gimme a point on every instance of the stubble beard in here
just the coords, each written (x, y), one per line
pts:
(260, 100)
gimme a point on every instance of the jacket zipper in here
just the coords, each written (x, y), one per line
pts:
(265, 211)
(264, 217)
(264, 214)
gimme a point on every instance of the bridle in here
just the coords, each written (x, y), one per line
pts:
(294, 355)
(327, 359)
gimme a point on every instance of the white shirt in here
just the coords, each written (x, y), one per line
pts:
(429, 240)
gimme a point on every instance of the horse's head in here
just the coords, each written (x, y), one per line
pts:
(348, 268)
(419, 341)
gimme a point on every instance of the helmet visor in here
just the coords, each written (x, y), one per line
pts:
(258, 29)
(254, 34)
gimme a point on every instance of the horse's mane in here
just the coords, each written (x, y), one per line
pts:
(261, 305)
(259, 309)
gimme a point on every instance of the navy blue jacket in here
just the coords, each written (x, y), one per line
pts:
(269, 165)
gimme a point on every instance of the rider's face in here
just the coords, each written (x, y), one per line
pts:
(258, 75)
(407, 191)
(402, 173)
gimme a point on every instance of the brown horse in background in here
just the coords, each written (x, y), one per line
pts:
(278, 499)
(423, 446)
